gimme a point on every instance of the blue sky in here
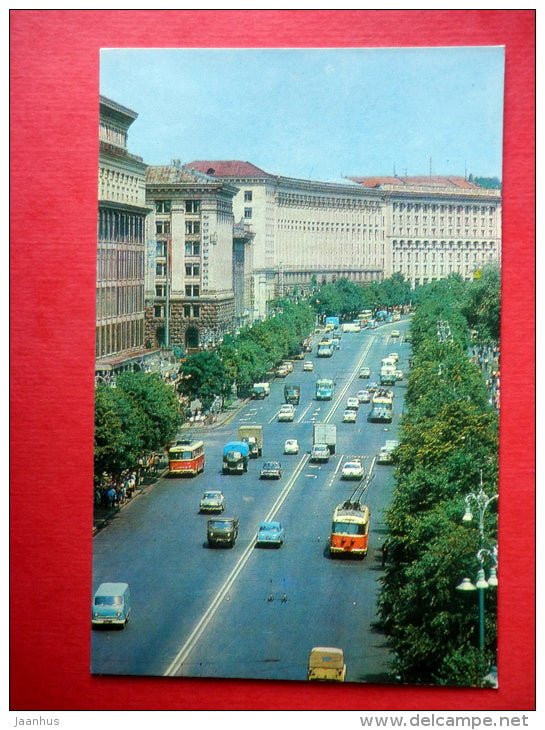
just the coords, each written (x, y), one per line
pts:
(315, 113)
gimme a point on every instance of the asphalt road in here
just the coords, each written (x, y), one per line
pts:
(251, 612)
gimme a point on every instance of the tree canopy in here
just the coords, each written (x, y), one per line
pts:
(449, 437)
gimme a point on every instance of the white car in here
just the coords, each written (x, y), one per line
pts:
(291, 446)
(352, 404)
(308, 365)
(350, 416)
(286, 413)
(364, 396)
(399, 374)
(395, 334)
(212, 501)
(352, 470)
(395, 355)
(320, 452)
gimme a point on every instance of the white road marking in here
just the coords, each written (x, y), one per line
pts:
(210, 612)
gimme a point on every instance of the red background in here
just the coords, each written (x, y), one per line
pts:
(54, 156)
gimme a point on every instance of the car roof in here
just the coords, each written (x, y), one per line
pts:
(269, 525)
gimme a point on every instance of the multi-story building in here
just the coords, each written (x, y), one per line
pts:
(121, 242)
(437, 226)
(304, 230)
(190, 298)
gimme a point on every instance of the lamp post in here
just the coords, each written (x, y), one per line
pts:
(482, 501)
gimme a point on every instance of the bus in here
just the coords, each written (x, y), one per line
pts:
(325, 388)
(350, 529)
(351, 522)
(186, 456)
(365, 317)
(382, 409)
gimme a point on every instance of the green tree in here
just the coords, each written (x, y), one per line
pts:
(136, 417)
(204, 376)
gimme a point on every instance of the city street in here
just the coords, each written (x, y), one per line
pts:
(250, 612)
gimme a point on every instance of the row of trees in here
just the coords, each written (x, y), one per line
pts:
(139, 416)
(449, 437)
(345, 298)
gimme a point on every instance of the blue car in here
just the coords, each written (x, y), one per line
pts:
(270, 533)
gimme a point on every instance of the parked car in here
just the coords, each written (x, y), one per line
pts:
(308, 365)
(364, 396)
(291, 446)
(350, 416)
(281, 371)
(212, 501)
(399, 374)
(270, 533)
(352, 404)
(271, 470)
(352, 470)
(286, 413)
(319, 452)
(365, 372)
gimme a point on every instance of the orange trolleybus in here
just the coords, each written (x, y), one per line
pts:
(350, 525)
(186, 457)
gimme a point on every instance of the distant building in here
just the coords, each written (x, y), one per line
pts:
(190, 295)
(304, 230)
(437, 226)
(121, 243)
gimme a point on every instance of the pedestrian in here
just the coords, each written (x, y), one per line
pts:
(110, 496)
(384, 553)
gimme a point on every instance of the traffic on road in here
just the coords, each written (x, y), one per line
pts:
(291, 469)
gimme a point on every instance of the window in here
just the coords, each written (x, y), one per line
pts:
(247, 212)
(162, 206)
(192, 206)
(192, 311)
(160, 290)
(247, 196)
(192, 290)
(192, 248)
(160, 269)
(192, 270)
(162, 227)
(159, 310)
(192, 227)
(161, 248)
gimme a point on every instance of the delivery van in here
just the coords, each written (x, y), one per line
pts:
(111, 605)
(326, 663)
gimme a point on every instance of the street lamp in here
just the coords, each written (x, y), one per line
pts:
(482, 501)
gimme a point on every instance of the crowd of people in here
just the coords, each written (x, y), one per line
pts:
(113, 492)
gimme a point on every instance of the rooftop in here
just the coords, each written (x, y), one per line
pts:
(227, 168)
(420, 181)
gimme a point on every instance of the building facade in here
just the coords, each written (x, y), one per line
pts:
(438, 226)
(120, 242)
(190, 297)
(305, 231)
